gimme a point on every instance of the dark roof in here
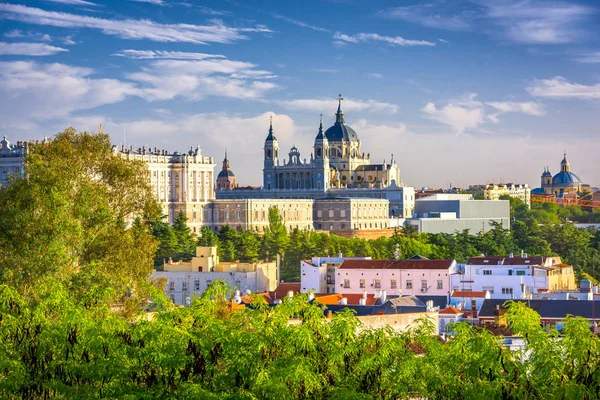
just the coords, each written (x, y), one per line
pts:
(550, 309)
(370, 167)
(438, 301)
(341, 132)
(396, 264)
(417, 257)
(226, 173)
(505, 260)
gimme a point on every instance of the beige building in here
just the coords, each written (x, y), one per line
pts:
(253, 214)
(493, 191)
(181, 182)
(351, 213)
(187, 279)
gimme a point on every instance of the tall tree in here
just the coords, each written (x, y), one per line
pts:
(186, 239)
(66, 219)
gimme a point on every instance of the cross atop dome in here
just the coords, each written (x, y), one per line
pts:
(339, 115)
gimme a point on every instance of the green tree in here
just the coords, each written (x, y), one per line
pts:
(275, 239)
(186, 240)
(66, 220)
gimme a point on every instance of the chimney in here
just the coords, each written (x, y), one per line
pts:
(343, 301)
(290, 293)
(362, 302)
(510, 255)
(311, 296)
(383, 296)
(364, 294)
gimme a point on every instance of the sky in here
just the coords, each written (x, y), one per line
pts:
(460, 92)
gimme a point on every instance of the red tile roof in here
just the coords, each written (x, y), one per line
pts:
(284, 287)
(353, 299)
(451, 310)
(458, 293)
(396, 264)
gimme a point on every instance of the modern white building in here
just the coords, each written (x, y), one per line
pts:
(493, 191)
(509, 277)
(183, 280)
(448, 213)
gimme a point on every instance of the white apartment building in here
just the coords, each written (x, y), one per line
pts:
(410, 277)
(493, 191)
(513, 277)
(183, 280)
(11, 159)
(318, 274)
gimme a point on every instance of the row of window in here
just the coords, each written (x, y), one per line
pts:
(510, 272)
(185, 288)
(393, 284)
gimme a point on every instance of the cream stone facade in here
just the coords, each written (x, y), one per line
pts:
(351, 213)
(494, 191)
(181, 182)
(253, 214)
(185, 280)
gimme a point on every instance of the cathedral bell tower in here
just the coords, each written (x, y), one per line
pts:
(271, 159)
(321, 159)
(271, 147)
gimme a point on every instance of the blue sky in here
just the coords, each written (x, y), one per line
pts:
(461, 92)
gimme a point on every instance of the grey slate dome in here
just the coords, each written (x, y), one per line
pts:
(340, 132)
(226, 174)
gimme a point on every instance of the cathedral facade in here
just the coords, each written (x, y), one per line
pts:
(337, 162)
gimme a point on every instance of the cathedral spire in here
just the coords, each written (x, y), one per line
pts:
(339, 115)
(271, 136)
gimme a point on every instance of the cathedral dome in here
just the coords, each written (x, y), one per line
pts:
(565, 178)
(340, 132)
(226, 173)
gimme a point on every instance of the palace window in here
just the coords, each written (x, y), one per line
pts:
(346, 283)
(507, 290)
(377, 283)
(440, 284)
(362, 283)
(487, 272)
(393, 284)
(409, 284)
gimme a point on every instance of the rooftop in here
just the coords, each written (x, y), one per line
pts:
(397, 264)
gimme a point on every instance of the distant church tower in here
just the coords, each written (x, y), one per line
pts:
(321, 160)
(271, 159)
(226, 178)
(546, 178)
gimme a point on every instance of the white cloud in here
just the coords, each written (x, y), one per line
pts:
(369, 37)
(327, 105)
(299, 23)
(375, 75)
(590, 58)
(195, 80)
(463, 114)
(17, 34)
(167, 55)
(539, 21)
(217, 32)
(467, 113)
(560, 87)
(73, 2)
(29, 49)
(39, 91)
(430, 15)
(156, 2)
(529, 108)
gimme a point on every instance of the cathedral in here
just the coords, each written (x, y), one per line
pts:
(337, 162)
(563, 182)
(226, 178)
